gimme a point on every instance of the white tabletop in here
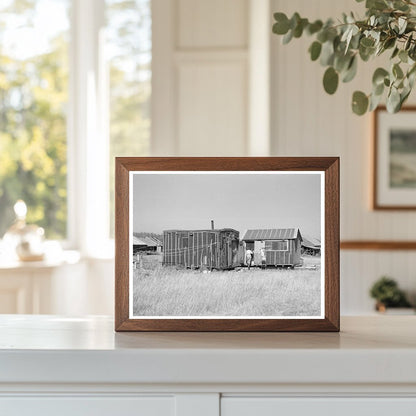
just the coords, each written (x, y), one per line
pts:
(376, 349)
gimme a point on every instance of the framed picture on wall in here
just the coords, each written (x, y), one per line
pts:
(394, 179)
(227, 244)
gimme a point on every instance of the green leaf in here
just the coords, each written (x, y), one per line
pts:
(281, 27)
(374, 101)
(367, 42)
(393, 101)
(395, 52)
(314, 27)
(389, 43)
(327, 53)
(351, 71)
(366, 53)
(397, 71)
(379, 75)
(404, 95)
(315, 50)
(330, 80)
(376, 4)
(288, 37)
(378, 89)
(403, 56)
(359, 103)
(298, 30)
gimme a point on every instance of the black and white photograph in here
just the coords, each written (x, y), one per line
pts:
(226, 244)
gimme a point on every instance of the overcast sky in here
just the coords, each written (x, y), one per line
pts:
(239, 201)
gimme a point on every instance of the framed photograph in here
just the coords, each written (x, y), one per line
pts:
(395, 159)
(227, 244)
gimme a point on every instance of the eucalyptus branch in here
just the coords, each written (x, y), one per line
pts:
(388, 25)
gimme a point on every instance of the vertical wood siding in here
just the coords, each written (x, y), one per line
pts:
(192, 249)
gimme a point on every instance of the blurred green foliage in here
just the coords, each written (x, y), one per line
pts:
(129, 35)
(33, 97)
(33, 109)
(389, 27)
(387, 292)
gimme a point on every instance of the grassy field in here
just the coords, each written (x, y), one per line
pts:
(170, 291)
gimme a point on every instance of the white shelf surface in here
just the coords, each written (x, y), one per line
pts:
(53, 349)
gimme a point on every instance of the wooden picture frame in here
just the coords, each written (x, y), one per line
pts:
(394, 184)
(133, 173)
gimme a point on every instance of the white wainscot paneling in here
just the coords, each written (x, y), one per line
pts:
(317, 406)
(308, 122)
(87, 406)
(212, 24)
(360, 269)
(212, 108)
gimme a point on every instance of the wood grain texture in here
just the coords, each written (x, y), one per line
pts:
(376, 204)
(378, 245)
(330, 165)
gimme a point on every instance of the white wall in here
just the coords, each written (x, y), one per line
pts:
(308, 122)
(201, 83)
(211, 92)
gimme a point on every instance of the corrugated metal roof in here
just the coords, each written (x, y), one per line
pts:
(311, 242)
(138, 241)
(155, 240)
(149, 242)
(272, 234)
(201, 230)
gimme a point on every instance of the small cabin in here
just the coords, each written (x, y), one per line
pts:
(211, 249)
(282, 246)
(311, 246)
(139, 245)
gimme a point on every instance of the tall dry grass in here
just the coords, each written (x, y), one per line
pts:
(167, 291)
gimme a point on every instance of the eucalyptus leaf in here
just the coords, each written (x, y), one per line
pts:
(330, 80)
(379, 75)
(374, 102)
(315, 50)
(395, 52)
(376, 4)
(389, 43)
(314, 27)
(281, 26)
(403, 56)
(388, 24)
(378, 89)
(288, 37)
(327, 54)
(359, 103)
(397, 71)
(393, 101)
(350, 73)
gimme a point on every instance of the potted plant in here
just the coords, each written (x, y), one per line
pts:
(389, 27)
(387, 294)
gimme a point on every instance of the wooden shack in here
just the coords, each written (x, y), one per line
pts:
(211, 249)
(139, 245)
(282, 246)
(311, 246)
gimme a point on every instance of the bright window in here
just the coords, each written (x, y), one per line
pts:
(33, 108)
(129, 45)
(75, 87)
